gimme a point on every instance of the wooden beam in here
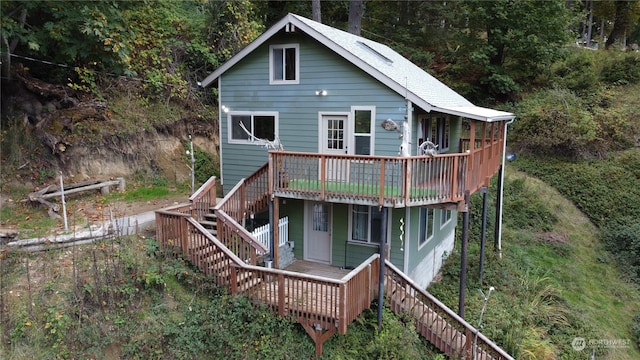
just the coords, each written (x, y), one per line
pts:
(317, 336)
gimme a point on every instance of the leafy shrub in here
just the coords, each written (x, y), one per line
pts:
(576, 72)
(603, 190)
(526, 210)
(621, 68)
(554, 121)
(624, 241)
(397, 340)
(204, 166)
(635, 330)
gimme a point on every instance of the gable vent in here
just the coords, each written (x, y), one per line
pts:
(289, 28)
(375, 52)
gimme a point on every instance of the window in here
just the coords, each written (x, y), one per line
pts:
(262, 125)
(427, 230)
(363, 129)
(283, 64)
(437, 130)
(445, 217)
(365, 224)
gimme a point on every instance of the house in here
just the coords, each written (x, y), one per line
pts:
(374, 149)
(362, 162)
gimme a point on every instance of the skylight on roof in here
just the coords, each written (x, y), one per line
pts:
(375, 52)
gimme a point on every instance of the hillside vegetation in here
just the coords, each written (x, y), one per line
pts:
(116, 84)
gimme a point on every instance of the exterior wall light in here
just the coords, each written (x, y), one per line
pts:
(321, 92)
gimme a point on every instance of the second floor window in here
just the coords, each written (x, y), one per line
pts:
(262, 125)
(437, 130)
(283, 64)
(363, 129)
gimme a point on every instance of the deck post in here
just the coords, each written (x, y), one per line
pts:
(463, 255)
(483, 232)
(275, 233)
(271, 239)
(382, 248)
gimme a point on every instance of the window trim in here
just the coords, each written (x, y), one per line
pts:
(252, 114)
(442, 216)
(422, 242)
(273, 81)
(350, 240)
(443, 128)
(371, 134)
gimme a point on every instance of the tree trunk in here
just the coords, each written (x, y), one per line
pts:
(620, 21)
(5, 68)
(315, 8)
(355, 16)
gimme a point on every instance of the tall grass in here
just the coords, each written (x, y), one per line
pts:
(555, 281)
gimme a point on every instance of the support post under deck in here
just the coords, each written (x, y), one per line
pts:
(463, 256)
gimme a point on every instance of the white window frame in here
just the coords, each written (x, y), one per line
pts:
(443, 217)
(371, 134)
(252, 114)
(360, 242)
(272, 66)
(422, 241)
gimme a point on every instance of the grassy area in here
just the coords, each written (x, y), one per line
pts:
(554, 283)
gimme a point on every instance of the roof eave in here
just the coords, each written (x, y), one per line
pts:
(499, 115)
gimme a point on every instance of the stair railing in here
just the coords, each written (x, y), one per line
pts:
(441, 326)
(203, 199)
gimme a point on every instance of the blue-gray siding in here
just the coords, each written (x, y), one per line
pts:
(245, 87)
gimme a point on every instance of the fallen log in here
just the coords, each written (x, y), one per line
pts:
(43, 194)
(103, 186)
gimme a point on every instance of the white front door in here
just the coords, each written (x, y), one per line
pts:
(334, 141)
(318, 235)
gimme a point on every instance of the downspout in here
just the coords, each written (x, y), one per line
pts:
(501, 190)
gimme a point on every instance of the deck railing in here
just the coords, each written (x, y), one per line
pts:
(369, 180)
(203, 199)
(249, 196)
(263, 233)
(322, 305)
(436, 322)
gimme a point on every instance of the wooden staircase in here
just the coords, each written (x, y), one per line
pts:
(214, 262)
(210, 222)
(218, 244)
(436, 322)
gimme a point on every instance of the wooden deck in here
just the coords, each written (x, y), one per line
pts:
(322, 298)
(317, 269)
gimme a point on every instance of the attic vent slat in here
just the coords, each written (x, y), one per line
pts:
(375, 52)
(289, 28)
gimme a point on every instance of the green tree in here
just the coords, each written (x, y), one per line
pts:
(507, 43)
(84, 34)
(626, 12)
(232, 25)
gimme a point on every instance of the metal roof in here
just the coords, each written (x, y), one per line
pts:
(382, 63)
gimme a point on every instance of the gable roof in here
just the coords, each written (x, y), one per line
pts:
(379, 61)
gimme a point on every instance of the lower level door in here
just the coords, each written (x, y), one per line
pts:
(318, 235)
